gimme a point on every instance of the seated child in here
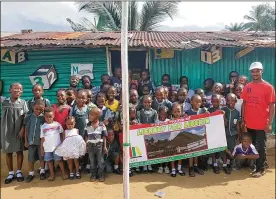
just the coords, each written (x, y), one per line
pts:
(95, 137)
(244, 153)
(113, 153)
(51, 136)
(32, 124)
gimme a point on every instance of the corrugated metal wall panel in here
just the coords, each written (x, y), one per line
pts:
(188, 63)
(62, 60)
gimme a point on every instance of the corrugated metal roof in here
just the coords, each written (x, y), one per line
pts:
(154, 39)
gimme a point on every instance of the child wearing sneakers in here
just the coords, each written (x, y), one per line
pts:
(32, 125)
(51, 136)
(163, 117)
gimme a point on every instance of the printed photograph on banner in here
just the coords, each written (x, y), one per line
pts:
(176, 142)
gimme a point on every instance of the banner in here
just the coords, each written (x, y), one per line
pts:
(177, 139)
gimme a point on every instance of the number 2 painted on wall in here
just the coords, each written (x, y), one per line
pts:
(39, 80)
(51, 77)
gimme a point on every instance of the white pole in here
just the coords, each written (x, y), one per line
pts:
(125, 96)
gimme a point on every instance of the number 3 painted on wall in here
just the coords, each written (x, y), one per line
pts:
(38, 80)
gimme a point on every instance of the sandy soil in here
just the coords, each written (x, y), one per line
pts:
(238, 185)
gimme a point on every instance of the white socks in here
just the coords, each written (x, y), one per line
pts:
(42, 171)
(173, 171)
(10, 173)
(149, 167)
(18, 173)
(179, 167)
(116, 166)
(227, 161)
(215, 164)
(31, 173)
(224, 165)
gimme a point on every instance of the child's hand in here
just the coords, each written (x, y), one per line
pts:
(26, 144)
(228, 151)
(241, 156)
(20, 134)
(42, 152)
(105, 150)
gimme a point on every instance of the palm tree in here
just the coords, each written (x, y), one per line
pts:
(108, 15)
(261, 18)
(235, 27)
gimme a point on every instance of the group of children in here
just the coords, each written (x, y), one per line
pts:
(83, 130)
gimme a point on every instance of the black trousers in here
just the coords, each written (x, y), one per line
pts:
(259, 141)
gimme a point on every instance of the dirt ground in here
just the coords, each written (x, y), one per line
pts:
(238, 185)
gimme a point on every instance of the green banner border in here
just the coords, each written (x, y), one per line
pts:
(177, 157)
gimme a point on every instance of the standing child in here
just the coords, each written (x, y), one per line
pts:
(95, 137)
(182, 96)
(183, 80)
(134, 99)
(80, 112)
(208, 87)
(51, 136)
(89, 102)
(38, 93)
(216, 101)
(106, 113)
(74, 81)
(147, 116)
(173, 96)
(177, 114)
(195, 110)
(61, 109)
(72, 148)
(145, 80)
(33, 123)
(71, 96)
(163, 117)
(217, 89)
(14, 110)
(166, 81)
(238, 92)
(160, 99)
(232, 118)
(116, 81)
(87, 84)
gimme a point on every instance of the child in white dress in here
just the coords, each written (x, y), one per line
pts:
(72, 148)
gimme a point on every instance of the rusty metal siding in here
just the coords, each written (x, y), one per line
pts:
(187, 62)
(62, 60)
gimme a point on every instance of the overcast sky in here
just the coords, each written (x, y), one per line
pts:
(51, 16)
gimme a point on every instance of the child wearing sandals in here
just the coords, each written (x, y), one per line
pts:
(51, 136)
(177, 113)
(14, 110)
(32, 124)
(72, 148)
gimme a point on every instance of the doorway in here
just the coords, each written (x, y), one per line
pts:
(137, 61)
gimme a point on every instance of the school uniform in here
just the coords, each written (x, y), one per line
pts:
(156, 105)
(147, 116)
(81, 118)
(31, 103)
(12, 119)
(106, 114)
(192, 112)
(95, 147)
(238, 150)
(33, 125)
(185, 106)
(232, 117)
(113, 151)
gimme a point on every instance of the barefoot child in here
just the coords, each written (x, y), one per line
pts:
(195, 110)
(51, 136)
(32, 124)
(14, 110)
(95, 137)
(38, 93)
(72, 148)
(176, 114)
